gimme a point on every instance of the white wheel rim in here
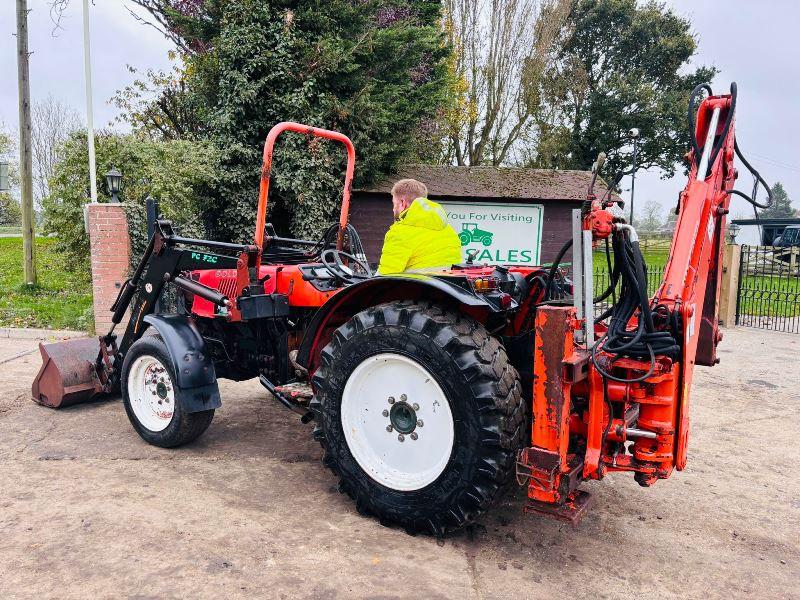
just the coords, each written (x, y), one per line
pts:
(151, 393)
(422, 455)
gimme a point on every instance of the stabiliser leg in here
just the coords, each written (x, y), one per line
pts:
(549, 467)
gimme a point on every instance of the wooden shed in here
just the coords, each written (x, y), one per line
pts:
(557, 192)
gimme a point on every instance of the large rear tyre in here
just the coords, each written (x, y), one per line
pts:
(420, 415)
(148, 394)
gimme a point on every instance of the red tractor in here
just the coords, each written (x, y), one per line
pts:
(430, 393)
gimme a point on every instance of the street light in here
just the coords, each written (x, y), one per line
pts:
(634, 135)
(114, 183)
(732, 231)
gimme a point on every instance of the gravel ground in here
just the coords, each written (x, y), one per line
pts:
(88, 510)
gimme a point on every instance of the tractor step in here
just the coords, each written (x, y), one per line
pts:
(571, 510)
(299, 391)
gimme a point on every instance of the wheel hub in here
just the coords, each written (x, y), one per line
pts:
(386, 433)
(403, 417)
(152, 396)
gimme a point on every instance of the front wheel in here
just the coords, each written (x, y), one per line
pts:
(148, 394)
(420, 414)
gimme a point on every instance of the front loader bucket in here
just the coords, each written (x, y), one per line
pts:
(68, 374)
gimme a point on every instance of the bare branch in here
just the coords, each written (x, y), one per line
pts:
(502, 47)
(51, 124)
(57, 10)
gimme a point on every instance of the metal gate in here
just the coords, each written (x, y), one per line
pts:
(769, 288)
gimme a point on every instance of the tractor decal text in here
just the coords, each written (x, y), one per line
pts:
(209, 258)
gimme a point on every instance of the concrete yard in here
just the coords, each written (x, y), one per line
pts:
(88, 510)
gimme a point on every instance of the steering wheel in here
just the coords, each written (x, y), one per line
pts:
(332, 259)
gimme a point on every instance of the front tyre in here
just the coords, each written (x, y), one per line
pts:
(149, 396)
(420, 414)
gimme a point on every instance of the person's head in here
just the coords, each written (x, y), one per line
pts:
(404, 192)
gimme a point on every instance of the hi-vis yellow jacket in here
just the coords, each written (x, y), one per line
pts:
(421, 239)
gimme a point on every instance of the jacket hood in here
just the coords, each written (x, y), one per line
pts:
(425, 213)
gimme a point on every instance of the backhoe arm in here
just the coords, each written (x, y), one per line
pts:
(622, 403)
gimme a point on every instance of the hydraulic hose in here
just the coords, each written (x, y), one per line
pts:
(719, 143)
(648, 340)
(720, 140)
(644, 341)
(554, 267)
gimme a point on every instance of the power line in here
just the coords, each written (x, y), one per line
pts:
(776, 163)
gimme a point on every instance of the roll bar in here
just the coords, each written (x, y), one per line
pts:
(263, 191)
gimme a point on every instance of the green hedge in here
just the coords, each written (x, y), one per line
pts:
(175, 172)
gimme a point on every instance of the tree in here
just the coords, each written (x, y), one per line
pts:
(500, 53)
(52, 122)
(671, 221)
(781, 204)
(620, 64)
(175, 172)
(372, 69)
(650, 219)
(10, 210)
(162, 105)
(192, 25)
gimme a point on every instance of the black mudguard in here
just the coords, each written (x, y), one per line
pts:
(196, 379)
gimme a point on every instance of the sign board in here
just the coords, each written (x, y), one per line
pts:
(5, 186)
(504, 234)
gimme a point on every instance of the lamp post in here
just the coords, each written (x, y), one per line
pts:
(634, 135)
(114, 183)
(732, 231)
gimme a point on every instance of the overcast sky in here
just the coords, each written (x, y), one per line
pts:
(752, 43)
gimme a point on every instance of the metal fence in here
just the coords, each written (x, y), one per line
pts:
(769, 288)
(602, 279)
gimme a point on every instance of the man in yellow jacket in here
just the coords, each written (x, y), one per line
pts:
(421, 239)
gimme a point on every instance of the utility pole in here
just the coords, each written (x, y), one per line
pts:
(633, 134)
(87, 68)
(26, 164)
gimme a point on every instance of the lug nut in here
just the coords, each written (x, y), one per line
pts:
(415, 406)
(401, 438)
(414, 435)
(391, 399)
(403, 397)
(420, 423)
(389, 428)
(385, 413)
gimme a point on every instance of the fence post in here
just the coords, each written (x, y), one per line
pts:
(729, 288)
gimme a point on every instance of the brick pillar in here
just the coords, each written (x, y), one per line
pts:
(110, 248)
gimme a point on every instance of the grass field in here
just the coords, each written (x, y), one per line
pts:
(760, 295)
(15, 229)
(61, 300)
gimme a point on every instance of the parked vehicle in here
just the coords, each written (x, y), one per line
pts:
(789, 237)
